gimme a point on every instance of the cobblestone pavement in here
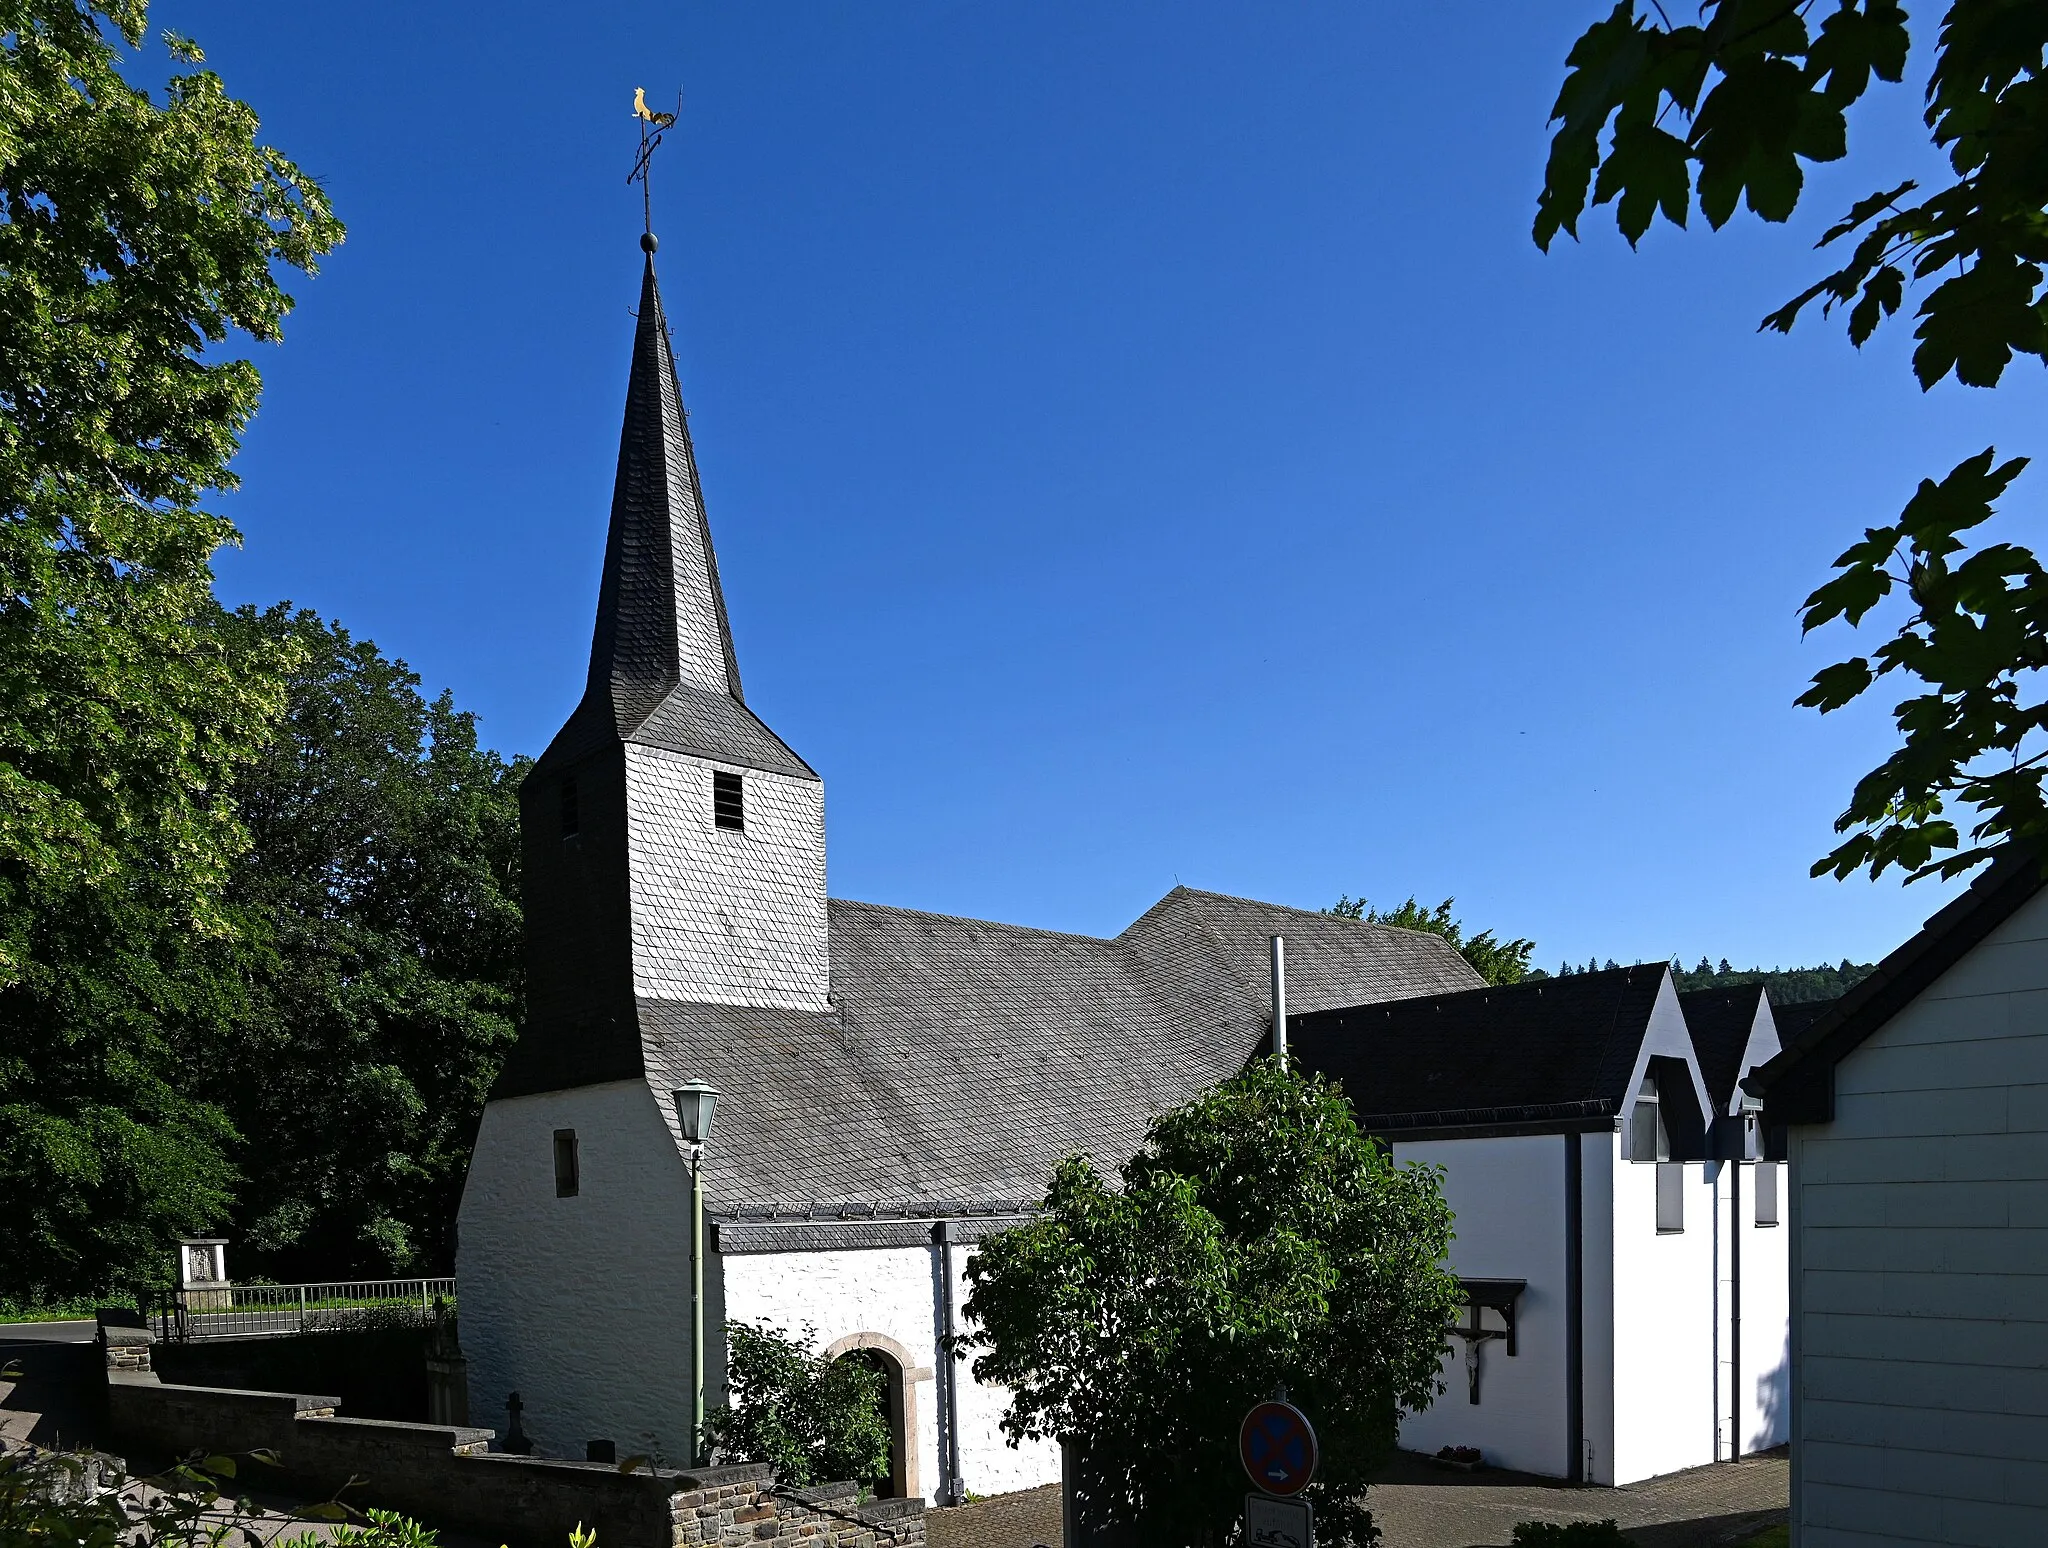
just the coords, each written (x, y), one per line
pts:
(1418, 1506)
(1001, 1521)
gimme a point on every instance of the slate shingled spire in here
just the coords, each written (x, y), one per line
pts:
(660, 610)
(662, 668)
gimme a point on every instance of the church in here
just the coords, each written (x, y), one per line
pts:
(893, 1084)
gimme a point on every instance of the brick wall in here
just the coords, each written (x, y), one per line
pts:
(447, 1476)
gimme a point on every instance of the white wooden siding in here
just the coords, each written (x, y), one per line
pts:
(1921, 1268)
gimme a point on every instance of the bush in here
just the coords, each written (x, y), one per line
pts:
(1570, 1534)
(814, 1419)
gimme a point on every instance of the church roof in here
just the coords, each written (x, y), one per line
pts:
(1546, 1051)
(1722, 1022)
(662, 668)
(964, 1058)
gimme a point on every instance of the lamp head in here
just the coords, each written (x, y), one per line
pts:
(694, 1104)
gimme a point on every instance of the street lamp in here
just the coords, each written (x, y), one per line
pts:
(694, 1104)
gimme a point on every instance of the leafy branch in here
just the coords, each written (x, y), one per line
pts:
(1754, 91)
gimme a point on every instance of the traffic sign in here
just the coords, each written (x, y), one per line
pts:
(1278, 1447)
(1271, 1523)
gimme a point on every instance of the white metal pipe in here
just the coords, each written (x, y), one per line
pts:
(1279, 958)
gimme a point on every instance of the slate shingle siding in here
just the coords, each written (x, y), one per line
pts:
(723, 916)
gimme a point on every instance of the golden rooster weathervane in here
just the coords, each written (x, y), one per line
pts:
(657, 123)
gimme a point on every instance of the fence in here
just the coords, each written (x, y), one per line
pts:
(248, 1311)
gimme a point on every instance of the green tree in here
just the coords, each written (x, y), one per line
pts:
(138, 235)
(1652, 114)
(1787, 986)
(816, 1420)
(378, 904)
(1495, 960)
(1258, 1240)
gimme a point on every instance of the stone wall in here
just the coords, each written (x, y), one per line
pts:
(447, 1476)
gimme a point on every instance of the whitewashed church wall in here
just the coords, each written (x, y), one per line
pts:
(1763, 1407)
(1508, 1196)
(723, 916)
(1663, 1353)
(580, 1305)
(1921, 1287)
(894, 1291)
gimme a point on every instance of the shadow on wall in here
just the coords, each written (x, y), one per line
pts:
(1774, 1403)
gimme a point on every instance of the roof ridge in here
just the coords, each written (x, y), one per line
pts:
(993, 924)
(1305, 913)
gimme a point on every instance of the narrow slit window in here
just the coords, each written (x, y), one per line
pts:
(1670, 1197)
(572, 817)
(567, 1180)
(728, 801)
(1767, 1193)
(1648, 1139)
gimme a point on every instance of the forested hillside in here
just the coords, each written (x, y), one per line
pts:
(1788, 986)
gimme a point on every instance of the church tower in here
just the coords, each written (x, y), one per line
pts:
(674, 846)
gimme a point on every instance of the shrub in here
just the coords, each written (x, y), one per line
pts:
(814, 1419)
(1570, 1534)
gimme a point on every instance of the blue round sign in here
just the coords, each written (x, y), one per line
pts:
(1278, 1447)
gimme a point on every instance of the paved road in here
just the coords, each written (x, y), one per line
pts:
(49, 1332)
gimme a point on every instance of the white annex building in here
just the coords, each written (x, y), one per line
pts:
(1616, 1230)
(895, 1084)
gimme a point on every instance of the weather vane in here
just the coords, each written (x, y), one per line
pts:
(652, 126)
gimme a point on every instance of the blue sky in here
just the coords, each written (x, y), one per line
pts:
(1141, 439)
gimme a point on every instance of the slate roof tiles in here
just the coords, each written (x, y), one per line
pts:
(964, 1058)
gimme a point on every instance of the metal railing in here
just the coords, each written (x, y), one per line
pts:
(252, 1311)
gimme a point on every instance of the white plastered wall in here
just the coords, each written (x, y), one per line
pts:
(580, 1305)
(723, 916)
(894, 1291)
(1763, 1383)
(1662, 1371)
(1508, 1195)
(1663, 1352)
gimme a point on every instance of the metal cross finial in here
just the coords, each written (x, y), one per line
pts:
(652, 126)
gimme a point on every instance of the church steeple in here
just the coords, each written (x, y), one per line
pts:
(660, 610)
(674, 845)
(662, 668)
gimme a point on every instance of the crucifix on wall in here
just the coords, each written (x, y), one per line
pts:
(1481, 1296)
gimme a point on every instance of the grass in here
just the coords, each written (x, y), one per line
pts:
(53, 1311)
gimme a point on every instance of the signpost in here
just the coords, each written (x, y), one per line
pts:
(1271, 1523)
(1277, 1445)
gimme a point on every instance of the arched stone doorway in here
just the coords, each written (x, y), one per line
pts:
(900, 1376)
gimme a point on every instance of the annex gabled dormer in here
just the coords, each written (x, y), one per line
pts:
(674, 845)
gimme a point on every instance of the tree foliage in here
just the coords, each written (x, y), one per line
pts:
(138, 235)
(1495, 960)
(816, 1420)
(1786, 986)
(1258, 1240)
(381, 968)
(1652, 114)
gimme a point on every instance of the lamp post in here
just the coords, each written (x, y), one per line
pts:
(694, 1104)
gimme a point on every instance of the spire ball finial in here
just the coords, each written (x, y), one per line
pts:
(649, 242)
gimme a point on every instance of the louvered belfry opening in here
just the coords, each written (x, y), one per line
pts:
(728, 801)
